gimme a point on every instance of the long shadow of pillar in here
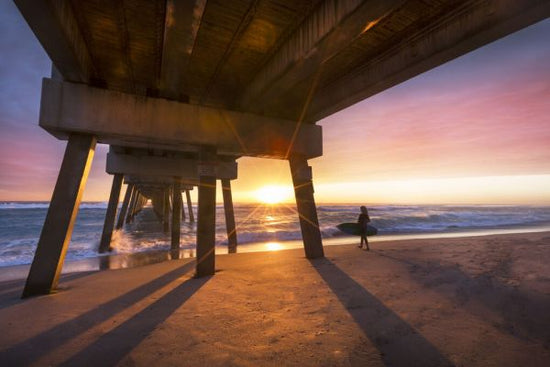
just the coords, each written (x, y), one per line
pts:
(124, 338)
(380, 323)
(21, 354)
(58, 226)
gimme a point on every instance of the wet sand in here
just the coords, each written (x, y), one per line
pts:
(473, 301)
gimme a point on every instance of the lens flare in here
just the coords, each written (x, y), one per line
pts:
(273, 194)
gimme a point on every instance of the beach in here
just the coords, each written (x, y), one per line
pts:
(467, 301)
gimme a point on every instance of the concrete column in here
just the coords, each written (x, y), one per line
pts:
(229, 216)
(309, 224)
(132, 204)
(58, 226)
(110, 215)
(182, 207)
(158, 204)
(176, 214)
(166, 211)
(125, 204)
(189, 206)
(206, 227)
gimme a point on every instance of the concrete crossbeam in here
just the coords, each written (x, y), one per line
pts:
(147, 166)
(129, 120)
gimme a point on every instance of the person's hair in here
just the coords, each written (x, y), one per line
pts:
(363, 209)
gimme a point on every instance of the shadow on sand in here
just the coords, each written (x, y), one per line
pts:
(379, 323)
(11, 290)
(121, 340)
(28, 351)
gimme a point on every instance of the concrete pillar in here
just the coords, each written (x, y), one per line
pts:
(131, 205)
(307, 211)
(58, 226)
(206, 226)
(182, 207)
(110, 215)
(229, 216)
(189, 206)
(125, 204)
(166, 211)
(158, 204)
(176, 214)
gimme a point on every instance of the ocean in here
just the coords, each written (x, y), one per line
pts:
(260, 227)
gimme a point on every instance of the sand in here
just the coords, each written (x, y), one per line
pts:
(478, 301)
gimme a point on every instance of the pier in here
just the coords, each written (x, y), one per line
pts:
(181, 90)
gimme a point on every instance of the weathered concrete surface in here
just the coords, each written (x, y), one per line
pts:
(469, 301)
(129, 120)
(176, 215)
(279, 58)
(189, 206)
(58, 226)
(229, 216)
(206, 225)
(110, 215)
(147, 166)
(307, 211)
(125, 204)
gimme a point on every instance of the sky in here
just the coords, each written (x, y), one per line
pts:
(475, 130)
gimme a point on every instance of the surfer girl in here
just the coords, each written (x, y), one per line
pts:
(363, 221)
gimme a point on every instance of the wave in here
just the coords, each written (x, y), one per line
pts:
(46, 205)
(20, 229)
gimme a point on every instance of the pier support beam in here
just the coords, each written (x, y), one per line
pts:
(229, 216)
(182, 208)
(58, 226)
(176, 214)
(309, 223)
(166, 211)
(131, 205)
(125, 204)
(105, 244)
(206, 227)
(189, 206)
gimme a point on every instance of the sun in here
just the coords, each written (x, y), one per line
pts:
(273, 194)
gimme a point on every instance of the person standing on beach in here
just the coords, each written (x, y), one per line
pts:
(363, 221)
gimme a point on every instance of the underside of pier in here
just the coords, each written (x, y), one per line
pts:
(181, 89)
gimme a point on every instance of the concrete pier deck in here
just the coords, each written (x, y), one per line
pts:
(478, 301)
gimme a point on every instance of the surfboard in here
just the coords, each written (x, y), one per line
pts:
(355, 230)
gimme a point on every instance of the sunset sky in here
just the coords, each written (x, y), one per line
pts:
(475, 130)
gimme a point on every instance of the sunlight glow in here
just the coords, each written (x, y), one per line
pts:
(273, 246)
(527, 189)
(273, 194)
